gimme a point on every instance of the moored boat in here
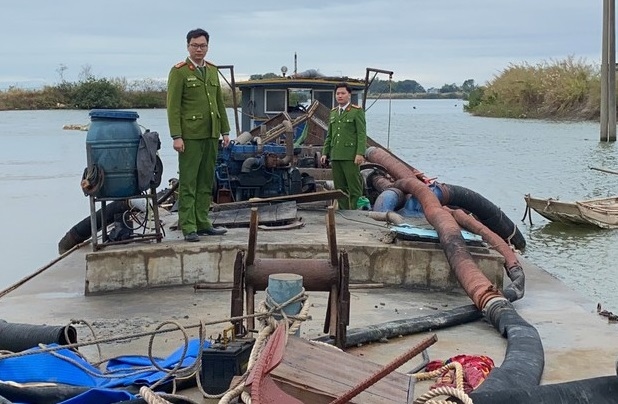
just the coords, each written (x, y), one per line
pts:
(601, 212)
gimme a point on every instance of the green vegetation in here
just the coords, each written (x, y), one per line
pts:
(87, 94)
(412, 89)
(91, 92)
(561, 90)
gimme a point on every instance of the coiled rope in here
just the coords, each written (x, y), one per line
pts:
(457, 392)
(92, 179)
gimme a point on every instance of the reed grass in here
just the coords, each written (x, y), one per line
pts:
(562, 90)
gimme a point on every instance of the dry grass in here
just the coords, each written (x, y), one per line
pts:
(565, 90)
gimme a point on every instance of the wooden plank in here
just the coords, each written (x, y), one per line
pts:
(317, 374)
(298, 198)
(227, 218)
(268, 214)
(285, 211)
(275, 214)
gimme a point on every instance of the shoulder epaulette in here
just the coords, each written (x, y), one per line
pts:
(334, 108)
(210, 63)
(355, 106)
(180, 64)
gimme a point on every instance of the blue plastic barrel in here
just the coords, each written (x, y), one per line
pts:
(111, 144)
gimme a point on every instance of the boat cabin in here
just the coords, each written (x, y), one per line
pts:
(264, 99)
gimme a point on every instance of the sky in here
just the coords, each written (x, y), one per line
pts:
(434, 42)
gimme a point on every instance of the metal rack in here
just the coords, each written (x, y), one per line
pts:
(151, 203)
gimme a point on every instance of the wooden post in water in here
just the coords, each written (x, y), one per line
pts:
(608, 73)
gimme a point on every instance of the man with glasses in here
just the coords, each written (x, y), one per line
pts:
(196, 117)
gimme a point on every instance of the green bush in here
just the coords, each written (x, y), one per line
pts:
(145, 99)
(97, 93)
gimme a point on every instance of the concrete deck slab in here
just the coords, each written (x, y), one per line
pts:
(176, 262)
(578, 343)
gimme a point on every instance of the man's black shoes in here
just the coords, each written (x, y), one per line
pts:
(192, 237)
(212, 231)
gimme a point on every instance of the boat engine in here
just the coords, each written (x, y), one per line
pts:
(250, 170)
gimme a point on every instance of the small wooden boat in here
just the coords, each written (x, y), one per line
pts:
(601, 212)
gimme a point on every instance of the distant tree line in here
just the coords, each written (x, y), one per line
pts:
(567, 89)
(413, 89)
(405, 88)
(91, 92)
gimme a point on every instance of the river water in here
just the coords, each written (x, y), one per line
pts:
(502, 159)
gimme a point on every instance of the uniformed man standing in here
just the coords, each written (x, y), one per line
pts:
(345, 146)
(196, 117)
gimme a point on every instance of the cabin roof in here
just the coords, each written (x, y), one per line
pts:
(315, 82)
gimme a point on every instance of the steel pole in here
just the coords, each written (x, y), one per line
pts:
(604, 72)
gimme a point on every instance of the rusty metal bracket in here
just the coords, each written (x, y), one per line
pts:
(326, 275)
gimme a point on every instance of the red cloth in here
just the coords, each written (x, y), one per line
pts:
(475, 369)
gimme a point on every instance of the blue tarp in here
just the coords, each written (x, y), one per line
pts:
(64, 366)
(417, 233)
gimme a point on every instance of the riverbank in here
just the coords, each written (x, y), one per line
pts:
(109, 95)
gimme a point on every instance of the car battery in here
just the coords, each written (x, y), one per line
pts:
(221, 362)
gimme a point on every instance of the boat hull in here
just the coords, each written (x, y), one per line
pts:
(601, 212)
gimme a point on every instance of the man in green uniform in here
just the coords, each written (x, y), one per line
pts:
(196, 117)
(345, 146)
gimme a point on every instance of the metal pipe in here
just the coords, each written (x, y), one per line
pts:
(318, 274)
(289, 144)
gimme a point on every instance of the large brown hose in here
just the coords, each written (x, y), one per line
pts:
(515, 272)
(496, 242)
(473, 281)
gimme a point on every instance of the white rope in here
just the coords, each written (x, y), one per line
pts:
(427, 398)
(458, 392)
(151, 397)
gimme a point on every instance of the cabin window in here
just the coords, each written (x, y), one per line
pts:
(276, 101)
(325, 97)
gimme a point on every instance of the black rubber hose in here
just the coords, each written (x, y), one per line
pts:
(408, 326)
(164, 195)
(82, 230)
(38, 393)
(16, 337)
(485, 210)
(524, 359)
(515, 290)
(600, 390)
